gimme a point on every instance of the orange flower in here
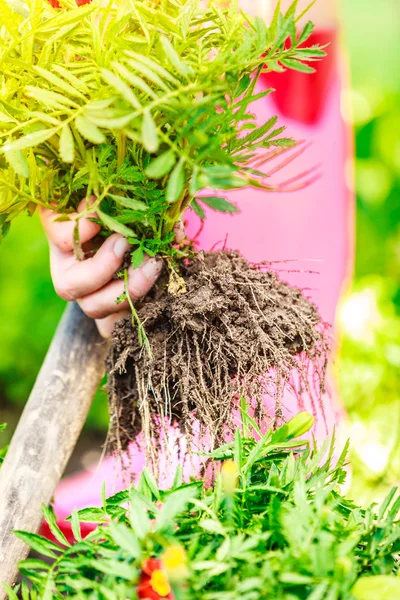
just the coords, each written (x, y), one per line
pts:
(153, 583)
(56, 4)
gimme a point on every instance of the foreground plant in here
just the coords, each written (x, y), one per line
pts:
(139, 106)
(274, 524)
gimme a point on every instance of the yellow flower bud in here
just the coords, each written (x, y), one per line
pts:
(230, 476)
(175, 562)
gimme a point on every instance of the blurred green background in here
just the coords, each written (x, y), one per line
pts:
(369, 363)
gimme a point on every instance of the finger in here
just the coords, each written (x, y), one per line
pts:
(179, 231)
(102, 303)
(73, 279)
(106, 325)
(61, 233)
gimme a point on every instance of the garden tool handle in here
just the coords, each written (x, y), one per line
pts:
(47, 432)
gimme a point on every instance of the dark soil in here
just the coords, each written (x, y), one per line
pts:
(238, 330)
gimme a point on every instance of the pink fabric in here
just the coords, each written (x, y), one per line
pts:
(310, 228)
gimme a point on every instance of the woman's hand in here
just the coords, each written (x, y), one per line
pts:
(90, 282)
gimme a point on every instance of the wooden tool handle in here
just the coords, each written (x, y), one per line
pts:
(47, 432)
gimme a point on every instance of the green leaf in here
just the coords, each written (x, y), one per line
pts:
(176, 182)
(9, 18)
(118, 498)
(138, 517)
(131, 203)
(378, 587)
(33, 563)
(296, 65)
(137, 257)
(89, 131)
(74, 81)
(386, 503)
(219, 204)
(173, 57)
(29, 141)
(151, 484)
(154, 66)
(12, 593)
(295, 579)
(121, 87)
(296, 427)
(126, 539)
(220, 179)
(18, 162)
(178, 477)
(149, 133)
(175, 503)
(91, 515)
(75, 525)
(305, 34)
(319, 592)
(66, 18)
(149, 74)
(115, 568)
(109, 122)
(273, 30)
(115, 225)
(134, 80)
(48, 98)
(50, 517)
(257, 133)
(38, 543)
(67, 145)
(49, 588)
(238, 448)
(25, 592)
(161, 165)
(197, 209)
(57, 82)
(213, 526)
(310, 53)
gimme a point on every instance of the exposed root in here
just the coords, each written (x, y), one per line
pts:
(238, 330)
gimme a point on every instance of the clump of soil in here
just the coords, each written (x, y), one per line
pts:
(237, 328)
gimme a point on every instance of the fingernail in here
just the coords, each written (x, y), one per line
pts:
(121, 246)
(153, 268)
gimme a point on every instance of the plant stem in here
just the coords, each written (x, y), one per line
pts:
(142, 336)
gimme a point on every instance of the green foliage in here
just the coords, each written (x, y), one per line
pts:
(274, 524)
(139, 105)
(370, 357)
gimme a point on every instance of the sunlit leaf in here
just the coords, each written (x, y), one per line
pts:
(28, 141)
(161, 165)
(18, 162)
(176, 182)
(89, 131)
(67, 145)
(149, 133)
(115, 225)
